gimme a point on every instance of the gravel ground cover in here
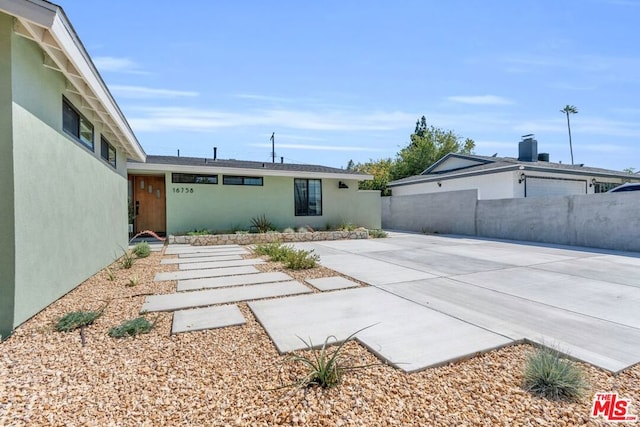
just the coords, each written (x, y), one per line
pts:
(234, 376)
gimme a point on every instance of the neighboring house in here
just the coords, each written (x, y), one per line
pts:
(530, 175)
(177, 194)
(64, 145)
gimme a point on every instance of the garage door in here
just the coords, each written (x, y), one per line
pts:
(538, 187)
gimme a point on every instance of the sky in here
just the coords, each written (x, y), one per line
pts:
(340, 80)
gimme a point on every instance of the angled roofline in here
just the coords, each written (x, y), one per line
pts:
(458, 155)
(47, 25)
(522, 166)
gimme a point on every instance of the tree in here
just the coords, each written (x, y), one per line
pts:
(569, 109)
(428, 145)
(380, 169)
(350, 165)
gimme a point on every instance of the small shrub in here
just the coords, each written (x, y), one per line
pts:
(288, 230)
(142, 250)
(110, 275)
(377, 234)
(347, 226)
(302, 230)
(131, 328)
(300, 259)
(127, 259)
(241, 232)
(275, 251)
(77, 319)
(550, 375)
(196, 232)
(262, 224)
(133, 281)
(323, 368)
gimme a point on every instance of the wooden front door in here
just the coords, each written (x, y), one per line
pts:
(149, 203)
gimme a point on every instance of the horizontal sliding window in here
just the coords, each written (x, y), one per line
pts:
(242, 180)
(76, 125)
(107, 152)
(190, 178)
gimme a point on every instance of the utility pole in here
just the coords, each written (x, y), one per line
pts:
(273, 147)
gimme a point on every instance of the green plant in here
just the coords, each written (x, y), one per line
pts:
(110, 274)
(550, 375)
(77, 319)
(142, 250)
(197, 232)
(288, 230)
(262, 224)
(377, 234)
(132, 327)
(276, 251)
(347, 226)
(302, 230)
(323, 368)
(127, 259)
(133, 281)
(300, 259)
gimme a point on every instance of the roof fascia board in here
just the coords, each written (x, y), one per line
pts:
(151, 167)
(521, 167)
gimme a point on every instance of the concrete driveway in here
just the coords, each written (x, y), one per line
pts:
(440, 298)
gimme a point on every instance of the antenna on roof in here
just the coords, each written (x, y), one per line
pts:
(273, 147)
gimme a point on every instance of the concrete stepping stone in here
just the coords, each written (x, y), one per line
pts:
(188, 249)
(332, 283)
(198, 319)
(220, 264)
(407, 335)
(212, 253)
(182, 300)
(200, 259)
(221, 282)
(209, 272)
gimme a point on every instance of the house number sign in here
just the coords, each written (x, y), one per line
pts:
(183, 190)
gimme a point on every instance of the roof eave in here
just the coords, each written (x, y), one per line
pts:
(207, 169)
(47, 25)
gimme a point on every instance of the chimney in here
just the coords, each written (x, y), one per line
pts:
(178, 152)
(281, 159)
(528, 149)
(215, 153)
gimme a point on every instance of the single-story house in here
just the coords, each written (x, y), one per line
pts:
(64, 145)
(530, 175)
(73, 172)
(171, 194)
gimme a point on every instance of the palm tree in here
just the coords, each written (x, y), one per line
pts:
(569, 109)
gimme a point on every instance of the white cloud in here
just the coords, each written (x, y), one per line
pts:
(147, 92)
(161, 119)
(481, 100)
(256, 97)
(317, 147)
(117, 65)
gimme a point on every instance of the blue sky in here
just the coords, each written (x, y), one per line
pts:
(340, 80)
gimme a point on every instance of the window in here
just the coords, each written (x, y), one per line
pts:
(76, 125)
(308, 197)
(189, 178)
(242, 180)
(107, 152)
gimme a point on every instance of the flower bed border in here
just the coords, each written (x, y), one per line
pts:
(253, 238)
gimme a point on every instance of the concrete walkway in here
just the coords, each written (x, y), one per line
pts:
(582, 301)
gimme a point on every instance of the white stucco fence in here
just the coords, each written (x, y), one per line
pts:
(607, 221)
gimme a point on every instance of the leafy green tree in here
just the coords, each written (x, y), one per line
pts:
(428, 145)
(380, 169)
(629, 170)
(350, 165)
